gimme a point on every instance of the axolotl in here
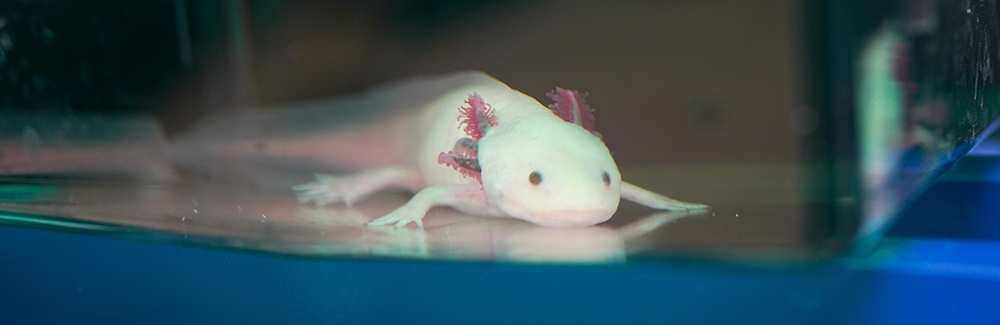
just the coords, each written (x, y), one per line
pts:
(486, 149)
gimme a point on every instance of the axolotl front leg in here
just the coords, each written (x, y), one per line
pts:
(446, 195)
(328, 189)
(656, 201)
(468, 197)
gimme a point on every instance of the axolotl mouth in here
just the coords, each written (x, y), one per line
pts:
(571, 218)
(559, 217)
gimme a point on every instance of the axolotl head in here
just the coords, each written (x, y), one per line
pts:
(549, 172)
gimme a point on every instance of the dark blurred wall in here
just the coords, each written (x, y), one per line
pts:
(672, 81)
(679, 81)
(86, 57)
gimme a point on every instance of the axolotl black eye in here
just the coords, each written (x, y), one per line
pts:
(607, 178)
(535, 178)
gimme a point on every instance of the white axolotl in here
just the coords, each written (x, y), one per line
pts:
(489, 150)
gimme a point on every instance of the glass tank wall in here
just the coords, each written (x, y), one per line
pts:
(804, 125)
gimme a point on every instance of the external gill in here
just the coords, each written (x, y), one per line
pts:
(463, 158)
(475, 119)
(571, 106)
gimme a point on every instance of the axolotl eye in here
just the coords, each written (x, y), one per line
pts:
(535, 178)
(607, 178)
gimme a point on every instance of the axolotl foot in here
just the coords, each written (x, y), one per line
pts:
(400, 217)
(329, 190)
(349, 189)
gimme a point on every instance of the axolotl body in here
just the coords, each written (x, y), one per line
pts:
(486, 149)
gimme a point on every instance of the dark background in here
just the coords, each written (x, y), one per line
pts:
(672, 81)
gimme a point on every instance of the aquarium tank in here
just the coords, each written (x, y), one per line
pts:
(805, 126)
